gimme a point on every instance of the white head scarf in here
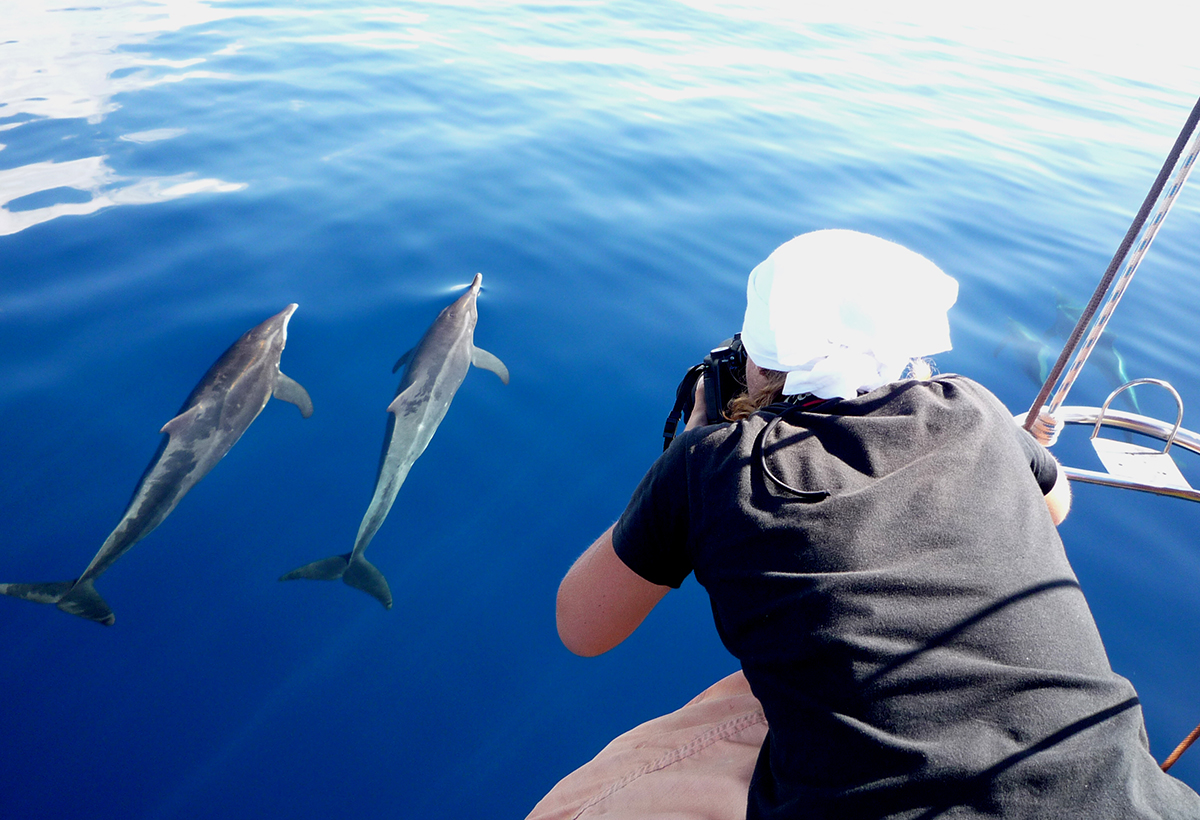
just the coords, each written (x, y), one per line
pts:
(842, 312)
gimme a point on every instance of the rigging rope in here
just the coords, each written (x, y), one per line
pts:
(1106, 282)
(1180, 749)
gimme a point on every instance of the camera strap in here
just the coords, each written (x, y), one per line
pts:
(804, 401)
(685, 399)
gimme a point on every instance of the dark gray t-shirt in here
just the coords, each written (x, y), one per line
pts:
(917, 638)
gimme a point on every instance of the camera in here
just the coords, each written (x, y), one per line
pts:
(724, 372)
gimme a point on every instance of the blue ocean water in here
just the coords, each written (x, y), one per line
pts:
(175, 171)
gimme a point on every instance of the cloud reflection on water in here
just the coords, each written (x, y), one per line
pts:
(63, 62)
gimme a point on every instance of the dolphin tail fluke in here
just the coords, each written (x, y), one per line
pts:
(362, 574)
(74, 597)
(84, 601)
(327, 569)
(354, 570)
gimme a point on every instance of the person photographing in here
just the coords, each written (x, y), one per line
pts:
(880, 551)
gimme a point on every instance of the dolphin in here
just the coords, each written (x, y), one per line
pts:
(436, 369)
(1038, 353)
(220, 408)
(1105, 356)
(1034, 352)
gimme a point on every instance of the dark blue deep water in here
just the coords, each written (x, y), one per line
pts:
(174, 172)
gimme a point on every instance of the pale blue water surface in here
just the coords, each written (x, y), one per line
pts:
(175, 171)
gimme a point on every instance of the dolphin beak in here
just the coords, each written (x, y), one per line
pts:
(283, 317)
(477, 283)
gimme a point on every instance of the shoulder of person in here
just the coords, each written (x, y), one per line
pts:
(966, 385)
(713, 437)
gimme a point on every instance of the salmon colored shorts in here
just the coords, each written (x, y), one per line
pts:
(693, 764)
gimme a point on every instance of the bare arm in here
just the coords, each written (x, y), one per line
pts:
(1045, 431)
(601, 601)
(1058, 500)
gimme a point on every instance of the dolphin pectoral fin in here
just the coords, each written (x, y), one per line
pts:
(1045, 360)
(362, 574)
(481, 358)
(289, 390)
(403, 360)
(1122, 378)
(182, 421)
(327, 569)
(70, 596)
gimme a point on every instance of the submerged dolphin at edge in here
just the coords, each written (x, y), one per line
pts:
(216, 413)
(1038, 353)
(436, 369)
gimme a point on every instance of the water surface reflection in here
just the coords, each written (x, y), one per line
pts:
(69, 64)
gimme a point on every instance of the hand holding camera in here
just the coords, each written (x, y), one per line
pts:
(719, 379)
(699, 415)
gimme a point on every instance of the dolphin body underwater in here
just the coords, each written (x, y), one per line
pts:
(1038, 353)
(437, 367)
(216, 413)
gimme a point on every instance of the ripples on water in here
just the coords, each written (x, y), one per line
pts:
(613, 170)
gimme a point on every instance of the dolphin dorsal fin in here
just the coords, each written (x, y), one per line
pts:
(182, 421)
(289, 390)
(403, 360)
(481, 358)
